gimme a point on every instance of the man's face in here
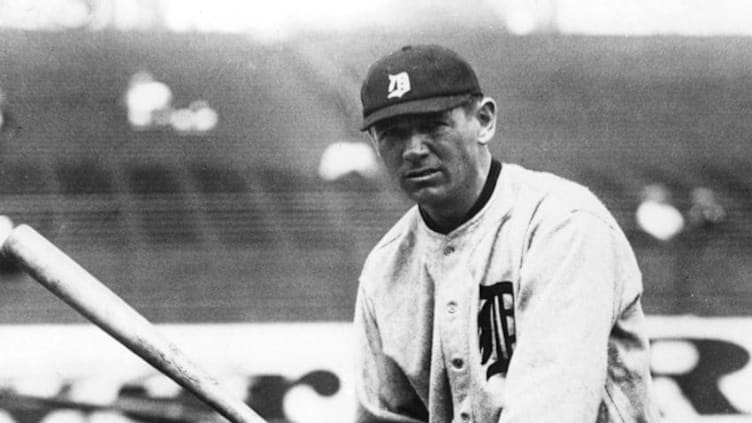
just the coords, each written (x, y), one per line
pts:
(435, 158)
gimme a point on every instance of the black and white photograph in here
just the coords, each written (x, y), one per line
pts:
(382, 211)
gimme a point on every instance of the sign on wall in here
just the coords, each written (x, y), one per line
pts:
(303, 372)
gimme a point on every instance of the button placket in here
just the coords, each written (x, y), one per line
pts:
(451, 287)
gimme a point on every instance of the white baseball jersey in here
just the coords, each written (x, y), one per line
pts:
(528, 312)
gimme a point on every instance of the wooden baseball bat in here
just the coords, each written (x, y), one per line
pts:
(54, 269)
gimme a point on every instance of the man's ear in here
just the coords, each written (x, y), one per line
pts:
(486, 114)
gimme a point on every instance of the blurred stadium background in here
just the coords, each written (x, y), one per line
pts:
(203, 160)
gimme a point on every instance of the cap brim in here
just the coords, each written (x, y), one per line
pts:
(427, 105)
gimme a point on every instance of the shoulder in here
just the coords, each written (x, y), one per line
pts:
(558, 210)
(396, 244)
(551, 197)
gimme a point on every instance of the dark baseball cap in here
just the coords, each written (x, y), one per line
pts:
(416, 79)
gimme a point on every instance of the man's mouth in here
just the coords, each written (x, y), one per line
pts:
(420, 174)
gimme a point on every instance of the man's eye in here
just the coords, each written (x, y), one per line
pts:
(432, 126)
(385, 136)
(391, 135)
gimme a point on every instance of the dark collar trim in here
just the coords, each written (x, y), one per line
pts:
(485, 195)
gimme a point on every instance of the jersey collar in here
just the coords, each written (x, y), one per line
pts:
(485, 195)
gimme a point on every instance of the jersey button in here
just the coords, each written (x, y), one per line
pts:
(465, 417)
(448, 250)
(452, 307)
(457, 363)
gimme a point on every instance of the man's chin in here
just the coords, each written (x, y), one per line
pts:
(427, 196)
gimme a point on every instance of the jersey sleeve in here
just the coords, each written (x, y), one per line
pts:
(571, 286)
(383, 392)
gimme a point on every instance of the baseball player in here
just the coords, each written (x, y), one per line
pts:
(505, 295)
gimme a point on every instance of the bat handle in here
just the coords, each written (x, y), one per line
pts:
(52, 268)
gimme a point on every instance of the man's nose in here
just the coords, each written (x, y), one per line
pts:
(415, 148)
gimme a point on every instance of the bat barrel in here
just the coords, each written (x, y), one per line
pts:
(60, 274)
